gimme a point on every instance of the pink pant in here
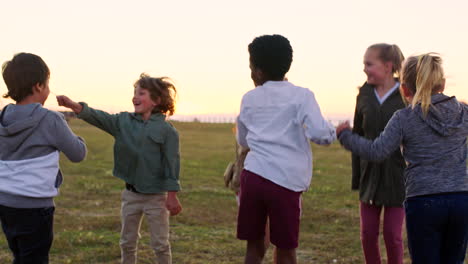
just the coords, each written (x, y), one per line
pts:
(392, 231)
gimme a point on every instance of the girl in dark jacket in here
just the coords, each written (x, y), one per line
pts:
(380, 184)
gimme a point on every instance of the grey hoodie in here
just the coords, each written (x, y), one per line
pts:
(434, 146)
(30, 140)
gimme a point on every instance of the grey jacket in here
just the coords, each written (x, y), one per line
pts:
(30, 139)
(434, 146)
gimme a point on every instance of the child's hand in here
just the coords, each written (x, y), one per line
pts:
(64, 101)
(342, 126)
(173, 204)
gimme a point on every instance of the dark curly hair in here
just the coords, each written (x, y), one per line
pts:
(23, 72)
(272, 54)
(160, 87)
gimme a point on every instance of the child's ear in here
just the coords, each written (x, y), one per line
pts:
(37, 88)
(388, 66)
(258, 76)
(157, 102)
(406, 91)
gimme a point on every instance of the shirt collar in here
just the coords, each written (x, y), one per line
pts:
(275, 83)
(389, 92)
(153, 117)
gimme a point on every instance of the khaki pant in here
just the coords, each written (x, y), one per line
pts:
(134, 205)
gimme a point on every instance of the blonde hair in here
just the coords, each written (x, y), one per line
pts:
(159, 87)
(390, 53)
(424, 76)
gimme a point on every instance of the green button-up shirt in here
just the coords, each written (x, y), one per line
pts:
(146, 153)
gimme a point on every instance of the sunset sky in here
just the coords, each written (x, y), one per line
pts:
(97, 49)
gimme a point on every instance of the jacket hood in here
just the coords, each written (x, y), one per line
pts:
(17, 122)
(446, 115)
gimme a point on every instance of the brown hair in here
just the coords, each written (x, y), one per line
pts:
(390, 53)
(23, 72)
(160, 87)
(424, 76)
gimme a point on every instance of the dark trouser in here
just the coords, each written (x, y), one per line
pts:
(437, 228)
(29, 232)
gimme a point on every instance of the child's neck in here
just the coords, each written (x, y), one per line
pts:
(146, 116)
(262, 82)
(31, 99)
(383, 88)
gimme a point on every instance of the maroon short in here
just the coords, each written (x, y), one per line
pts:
(261, 199)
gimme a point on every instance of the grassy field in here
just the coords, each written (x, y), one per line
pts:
(87, 219)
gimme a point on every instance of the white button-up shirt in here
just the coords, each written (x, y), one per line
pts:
(276, 122)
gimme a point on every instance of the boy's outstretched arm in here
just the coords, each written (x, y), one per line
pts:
(67, 142)
(98, 118)
(317, 129)
(64, 101)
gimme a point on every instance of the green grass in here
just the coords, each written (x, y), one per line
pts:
(87, 219)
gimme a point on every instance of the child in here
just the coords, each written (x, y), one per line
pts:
(146, 158)
(380, 184)
(30, 140)
(276, 121)
(432, 132)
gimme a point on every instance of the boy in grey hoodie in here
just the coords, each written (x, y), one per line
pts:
(31, 138)
(432, 132)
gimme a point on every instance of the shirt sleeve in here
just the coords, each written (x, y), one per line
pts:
(317, 129)
(100, 119)
(241, 133)
(241, 129)
(172, 160)
(67, 142)
(378, 149)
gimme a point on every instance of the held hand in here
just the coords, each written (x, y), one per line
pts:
(342, 126)
(173, 204)
(64, 101)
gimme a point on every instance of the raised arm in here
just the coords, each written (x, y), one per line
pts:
(317, 129)
(98, 118)
(378, 149)
(66, 141)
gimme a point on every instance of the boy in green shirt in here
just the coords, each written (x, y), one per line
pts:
(146, 157)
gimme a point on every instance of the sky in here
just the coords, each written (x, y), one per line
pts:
(96, 49)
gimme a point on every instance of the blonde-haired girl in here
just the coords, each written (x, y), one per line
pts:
(432, 131)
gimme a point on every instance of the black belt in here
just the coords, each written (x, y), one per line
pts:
(131, 188)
